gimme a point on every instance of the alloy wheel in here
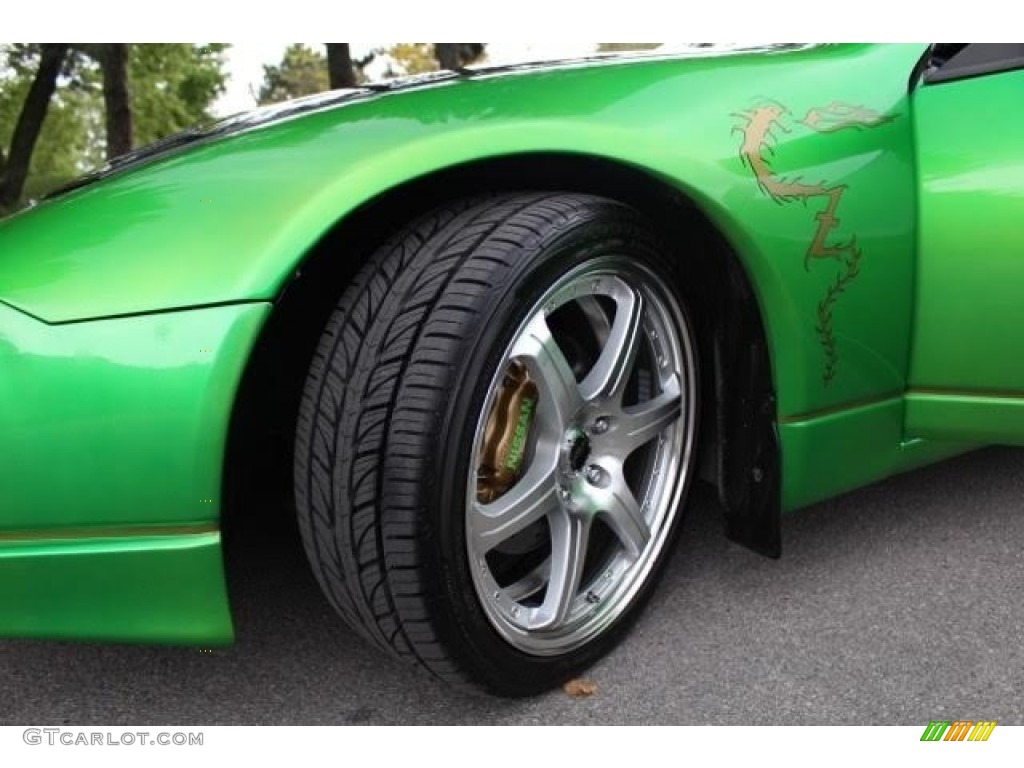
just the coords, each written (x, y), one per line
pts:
(580, 456)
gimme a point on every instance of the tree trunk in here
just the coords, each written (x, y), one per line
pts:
(30, 123)
(447, 55)
(456, 55)
(116, 99)
(339, 66)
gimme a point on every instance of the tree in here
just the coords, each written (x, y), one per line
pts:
(456, 55)
(168, 87)
(302, 71)
(71, 139)
(410, 59)
(14, 168)
(173, 86)
(340, 73)
(116, 99)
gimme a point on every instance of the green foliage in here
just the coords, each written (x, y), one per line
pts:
(302, 71)
(72, 135)
(410, 59)
(172, 86)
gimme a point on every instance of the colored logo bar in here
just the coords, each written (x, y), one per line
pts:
(958, 730)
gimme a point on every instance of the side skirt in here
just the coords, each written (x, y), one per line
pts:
(993, 417)
(835, 452)
(115, 585)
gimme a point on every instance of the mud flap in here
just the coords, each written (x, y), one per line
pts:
(748, 459)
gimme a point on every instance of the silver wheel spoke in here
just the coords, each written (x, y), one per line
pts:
(610, 373)
(530, 584)
(523, 504)
(624, 516)
(569, 537)
(643, 422)
(537, 349)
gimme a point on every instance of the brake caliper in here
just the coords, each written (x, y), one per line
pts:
(507, 434)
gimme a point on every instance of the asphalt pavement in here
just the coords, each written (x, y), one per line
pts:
(894, 605)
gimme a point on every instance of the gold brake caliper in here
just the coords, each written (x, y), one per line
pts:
(507, 434)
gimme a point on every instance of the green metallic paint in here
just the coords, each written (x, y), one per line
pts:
(121, 421)
(760, 127)
(846, 449)
(231, 220)
(158, 589)
(969, 312)
(115, 420)
(113, 434)
(982, 417)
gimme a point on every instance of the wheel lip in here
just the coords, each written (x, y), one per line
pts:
(677, 459)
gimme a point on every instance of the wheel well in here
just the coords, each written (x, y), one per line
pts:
(739, 446)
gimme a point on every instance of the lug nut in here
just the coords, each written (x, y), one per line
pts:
(565, 495)
(596, 476)
(600, 426)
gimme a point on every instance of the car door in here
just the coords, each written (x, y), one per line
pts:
(967, 358)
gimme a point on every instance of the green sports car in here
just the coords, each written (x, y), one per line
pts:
(488, 327)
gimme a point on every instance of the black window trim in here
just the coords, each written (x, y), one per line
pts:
(950, 72)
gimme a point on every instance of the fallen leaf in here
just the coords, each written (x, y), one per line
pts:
(580, 688)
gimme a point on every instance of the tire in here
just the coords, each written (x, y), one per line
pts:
(496, 438)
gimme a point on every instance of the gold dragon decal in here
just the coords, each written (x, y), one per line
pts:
(758, 127)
